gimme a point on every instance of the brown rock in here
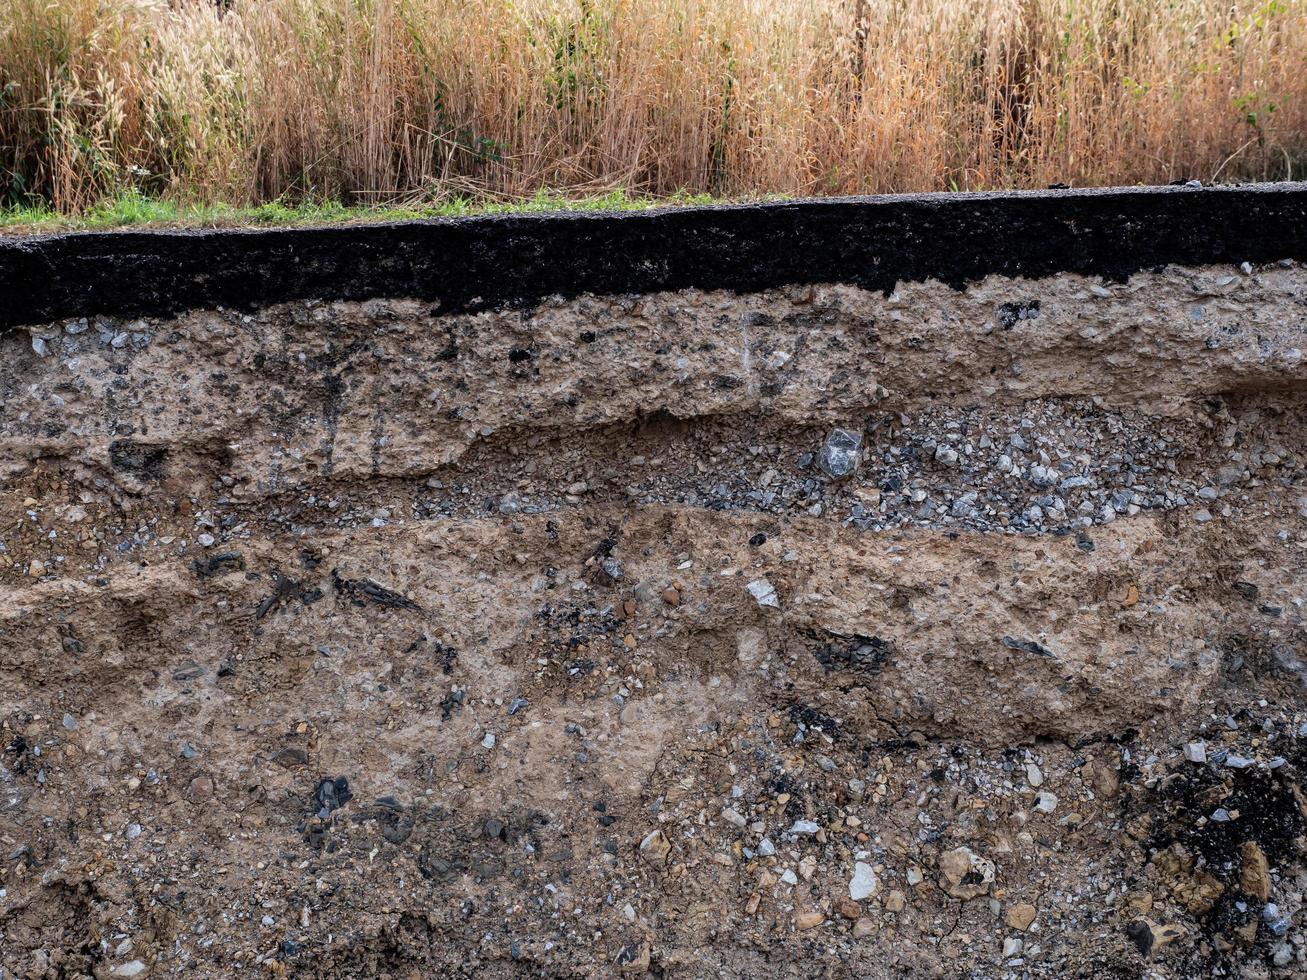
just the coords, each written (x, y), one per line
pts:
(1196, 890)
(808, 920)
(1255, 872)
(1020, 916)
(895, 901)
(964, 874)
(864, 928)
(200, 788)
(1150, 937)
(672, 596)
(1139, 827)
(1141, 902)
(291, 757)
(848, 908)
(1106, 782)
(634, 959)
(655, 848)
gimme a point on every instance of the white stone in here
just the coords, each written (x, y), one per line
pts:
(763, 592)
(1195, 752)
(863, 884)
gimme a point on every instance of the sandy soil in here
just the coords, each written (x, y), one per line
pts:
(345, 640)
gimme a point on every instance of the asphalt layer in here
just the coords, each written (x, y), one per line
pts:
(465, 264)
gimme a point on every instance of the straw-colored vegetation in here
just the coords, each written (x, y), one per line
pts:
(383, 101)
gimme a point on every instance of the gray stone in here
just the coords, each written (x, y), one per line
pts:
(841, 453)
(763, 593)
(1277, 923)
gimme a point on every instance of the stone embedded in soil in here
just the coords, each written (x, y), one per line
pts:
(965, 874)
(655, 848)
(808, 920)
(763, 592)
(840, 453)
(847, 909)
(864, 928)
(863, 884)
(1152, 937)
(1254, 871)
(331, 794)
(1020, 916)
(635, 959)
(1277, 923)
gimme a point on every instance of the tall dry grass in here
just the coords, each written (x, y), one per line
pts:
(369, 100)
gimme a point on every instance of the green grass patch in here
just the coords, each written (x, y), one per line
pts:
(133, 210)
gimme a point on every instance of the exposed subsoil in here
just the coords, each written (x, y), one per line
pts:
(812, 632)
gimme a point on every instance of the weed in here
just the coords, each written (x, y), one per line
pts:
(151, 105)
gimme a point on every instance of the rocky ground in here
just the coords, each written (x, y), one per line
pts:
(807, 633)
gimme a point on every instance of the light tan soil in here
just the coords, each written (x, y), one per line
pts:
(501, 573)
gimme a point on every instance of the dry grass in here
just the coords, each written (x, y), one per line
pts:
(366, 101)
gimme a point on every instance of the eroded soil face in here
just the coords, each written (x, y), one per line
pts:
(341, 640)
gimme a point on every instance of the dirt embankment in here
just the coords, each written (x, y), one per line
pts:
(813, 630)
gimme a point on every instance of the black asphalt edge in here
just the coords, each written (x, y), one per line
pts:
(509, 260)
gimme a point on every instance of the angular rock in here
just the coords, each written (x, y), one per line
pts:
(763, 592)
(863, 884)
(841, 453)
(1254, 871)
(655, 848)
(1020, 916)
(808, 920)
(964, 874)
(1150, 937)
